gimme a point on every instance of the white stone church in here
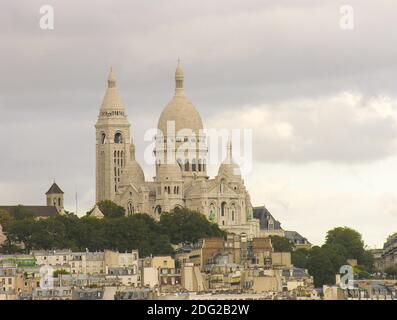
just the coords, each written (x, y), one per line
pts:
(181, 166)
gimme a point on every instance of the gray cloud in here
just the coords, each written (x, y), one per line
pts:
(345, 128)
(235, 53)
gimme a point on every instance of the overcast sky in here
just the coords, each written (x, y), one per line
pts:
(321, 101)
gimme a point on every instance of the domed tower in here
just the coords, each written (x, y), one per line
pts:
(133, 173)
(112, 143)
(180, 139)
(229, 168)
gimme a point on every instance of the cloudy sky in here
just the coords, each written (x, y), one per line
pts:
(321, 101)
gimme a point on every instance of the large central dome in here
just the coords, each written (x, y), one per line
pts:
(180, 110)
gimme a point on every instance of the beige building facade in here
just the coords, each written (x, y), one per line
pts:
(181, 154)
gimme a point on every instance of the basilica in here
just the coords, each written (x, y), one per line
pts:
(181, 154)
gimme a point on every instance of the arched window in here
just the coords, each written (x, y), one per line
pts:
(211, 216)
(233, 212)
(130, 208)
(199, 165)
(194, 165)
(169, 190)
(103, 138)
(223, 209)
(118, 138)
(179, 161)
(157, 210)
(187, 165)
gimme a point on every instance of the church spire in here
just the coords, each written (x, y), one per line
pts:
(112, 100)
(111, 79)
(229, 151)
(179, 79)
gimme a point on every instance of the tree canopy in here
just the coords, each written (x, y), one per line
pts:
(138, 231)
(110, 209)
(182, 225)
(341, 244)
(281, 244)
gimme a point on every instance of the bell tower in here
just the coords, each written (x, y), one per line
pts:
(55, 197)
(112, 142)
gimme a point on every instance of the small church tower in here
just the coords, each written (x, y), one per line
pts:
(55, 197)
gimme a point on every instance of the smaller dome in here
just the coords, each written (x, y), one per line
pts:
(229, 169)
(228, 166)
(170, 172)
(132, 174)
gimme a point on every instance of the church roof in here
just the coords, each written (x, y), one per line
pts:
(54, 189)
(264, 216)
(38, 211)
(180, 110)
(97, 213)
(295, 237)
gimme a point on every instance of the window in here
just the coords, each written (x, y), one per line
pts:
(118, 138)
(194, 165)
(233, 211)
(103, 138)
(130, 208)
(158, 210)
(223, 209)
(179, 161)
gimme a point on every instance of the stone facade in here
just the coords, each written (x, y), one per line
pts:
(390, 252)
(181, 177)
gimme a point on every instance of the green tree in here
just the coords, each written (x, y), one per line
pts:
(59, 271)
(5, 219)
(320, 267)
(111, 209)
(183, 225)
(345, 243)
(281, 244)
(300, 258)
